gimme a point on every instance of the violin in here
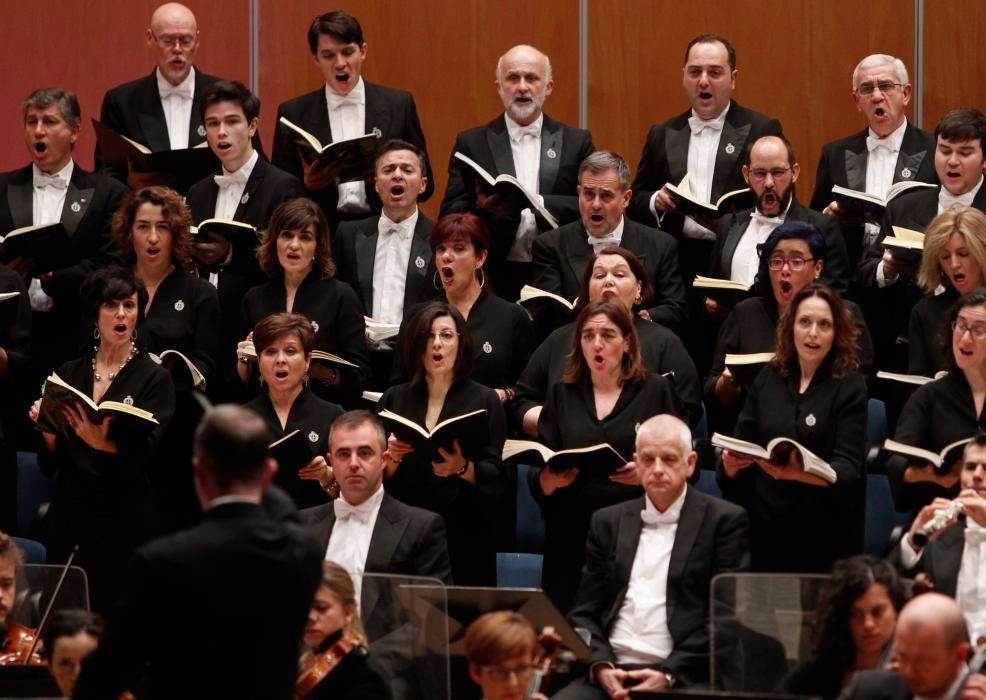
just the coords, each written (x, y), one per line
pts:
(323, 663)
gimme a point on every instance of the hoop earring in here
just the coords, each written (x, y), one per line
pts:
(436, 281)
(482, 274)
(95, 332)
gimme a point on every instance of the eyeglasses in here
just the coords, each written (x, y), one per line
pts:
(796, 263)
(502, 673)
(760, 175)
(185, 41)
(444, 337)
(960, 327)
(884, 86)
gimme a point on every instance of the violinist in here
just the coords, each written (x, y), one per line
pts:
(500, 649)
(11, 558)
(336, 663)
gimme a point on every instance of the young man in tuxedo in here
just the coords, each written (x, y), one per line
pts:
(346, 106)
(387, 257)
(542, 153)
(644, 595)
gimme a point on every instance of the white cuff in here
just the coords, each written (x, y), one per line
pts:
(909, 557)
(881, 277)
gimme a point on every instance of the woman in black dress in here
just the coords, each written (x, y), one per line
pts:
(953, 264)
(296, 256)
(103, 499)
(605, 394)
(463, 482)
(284, 345)
(334, 622)
(810, 392)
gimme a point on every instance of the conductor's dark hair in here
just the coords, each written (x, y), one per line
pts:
(230, 91)
(68, 623)
(111, 284)
(66, 101)
(712, 39)
(231, 445)
(339, 24)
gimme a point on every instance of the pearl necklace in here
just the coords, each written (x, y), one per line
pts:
(111, 375)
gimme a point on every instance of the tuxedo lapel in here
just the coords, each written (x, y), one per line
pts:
(676, 146)
(551, 145)
(578, 250)
(498, 140)
(366, 253)
(388, 531)
(150, 116)
(376, 113)
(634, 239)
(77, 200)
(856, 168)
(253, 184)
(913, 151)
(627, 538)
(732, 143)
(20, 197)
(689, 524)
(322, 531)
(417, 263)
(948, 559)
(196, 129)
(740, 223)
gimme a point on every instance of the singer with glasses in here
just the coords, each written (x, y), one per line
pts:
(501, 648)
(945, 410)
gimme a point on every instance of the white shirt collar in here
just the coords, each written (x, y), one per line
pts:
(673, 510)
(189, 81)
(246, 168)
(404, 228)
(615, 235)
(894, 139)
(223, 500)
(720, 120)
(513, 127)
(65, 173)
(371, 504)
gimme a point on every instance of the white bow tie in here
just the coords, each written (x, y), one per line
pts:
(337, 101)
(763, 219)
(237, 178)
(42, 180)
(697, 125)
(604, 242)
(344, 511)
(947, 200)
(872, 144)
(653, 517)
(519, 133)
(184, 90)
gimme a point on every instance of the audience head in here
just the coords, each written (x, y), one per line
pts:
(791, 258)
(955, 246)
(174, 38)
(857, 610)
(461, 243)
(11, 559)
(152, 226)
(604, 342)
(523, 79)
(973, 475)
(604, 192)
(357, 452)
(616, 272)
(69, 637)
(296, 240)
(882, 91)
(336, 42)
(230, 455)
(500, 649)
(437, 341)
(817, 328)
(960, 150)
(964, 336)
(709, 75)
(771, 171)
(230, 113)
(106, 294)
(932, 644)
(334, 607)
(664, 458)
(284, 344)
(52, 122)
(399, 177)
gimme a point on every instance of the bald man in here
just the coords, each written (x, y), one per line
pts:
(931, 649)
(161, 110)
(542, 153)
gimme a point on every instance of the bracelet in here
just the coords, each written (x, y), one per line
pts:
(243, 360)
(465, 468)
(509, 392)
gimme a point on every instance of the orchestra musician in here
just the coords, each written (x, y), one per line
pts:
(501, 648)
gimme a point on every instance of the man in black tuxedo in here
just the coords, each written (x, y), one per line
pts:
(888, 151)
(52, 189)
(706, 143)
(344, 107)
(239, 573)
(542, 153)
(387, 258)
(930, 648)
(644, 595)
(955, 557)
(561, 256)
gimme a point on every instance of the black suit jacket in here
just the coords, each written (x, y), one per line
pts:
(836, 272)
(712, 538)
(665, 159)
(877, 685)
(355, 249)
(489, 145)
(941, 559)
(561, 256)
(406, 541)
(390, 110)
(236, 558)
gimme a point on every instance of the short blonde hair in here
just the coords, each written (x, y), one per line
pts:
(969, 222)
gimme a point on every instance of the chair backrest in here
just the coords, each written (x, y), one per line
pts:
(530, 524)
(883, 524)
(876, 425)
(33, 490)
(34, 551)
(518, 570)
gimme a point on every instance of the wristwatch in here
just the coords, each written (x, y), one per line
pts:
(670, 677)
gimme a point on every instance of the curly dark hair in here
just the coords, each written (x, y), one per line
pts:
(844, 355)
(174, 211)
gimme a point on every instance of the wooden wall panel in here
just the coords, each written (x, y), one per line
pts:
(89, 47)
(443, 51)
(954, 58)
(795, 62)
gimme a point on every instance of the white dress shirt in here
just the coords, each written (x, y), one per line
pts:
(347, 119)
(746, 258)
(880, 163)
(947, 200)
(702, 149)
(48, 201)
(390, 267)
(176, 101)
(614, 237)
(349, 542)
(231, 186)
(525, 145)
(640, 634)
